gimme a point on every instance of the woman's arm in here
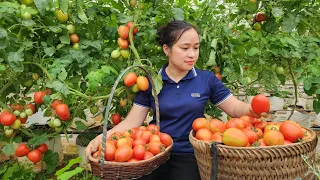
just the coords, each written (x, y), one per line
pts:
(236, 108)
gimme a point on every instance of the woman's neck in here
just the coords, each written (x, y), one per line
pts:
(175, 74)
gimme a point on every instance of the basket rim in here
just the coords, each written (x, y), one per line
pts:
(191, 137)
(167, 150)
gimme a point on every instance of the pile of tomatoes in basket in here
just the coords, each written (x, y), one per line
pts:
(135, 144)
(249, 131)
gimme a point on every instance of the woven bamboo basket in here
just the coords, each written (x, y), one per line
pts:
(267, 163)
(127, 170)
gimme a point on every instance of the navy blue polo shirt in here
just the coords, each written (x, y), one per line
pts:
(181, 103)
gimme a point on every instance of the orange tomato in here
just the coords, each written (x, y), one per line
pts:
(234, 137)
(123, 154)
(143, 83)
(204, 134)
(216, 125)
(166, 139)
(260, 104)
(217, 137)
(273, 137)
(74, 38)
(199, 123)
(251, 134)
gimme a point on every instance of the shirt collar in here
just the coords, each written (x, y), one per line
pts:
(191, 74)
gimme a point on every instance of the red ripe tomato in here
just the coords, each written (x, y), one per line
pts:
(143, 83)
(260, 125)
(139, 141)
(154, 129)
(135, 30)
(43, 148)
(291, 132)
(261, 143)
(251, 134)
(249, 119)
(38, 97)
(74, 38)
(258, 131)
(122, 43)
(116, 118)
(130, 79)
(146, 135)
(235, 137)
(260, 16)
(204, 134)
(55, 103)
(110, 150)
(15, 106)
(139, 152)
(215, 125)
(22, 150)
(166, 139)
(138, 134)
(155, 137)
(199, 123)
(260, 104)
(287, 142)
(123, 154)
(273, 137)
(133, 160)
(217, 137)
(7, 118)
(23, 120)
(31, 106)
(148, 155)
(63, 112)
(156, 147)
(34, 156)
(123, 32)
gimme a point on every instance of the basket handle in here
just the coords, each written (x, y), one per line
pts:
(214, 150)
(105, 124)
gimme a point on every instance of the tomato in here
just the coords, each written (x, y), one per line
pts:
(123, 32)
(138, 134)
(133, 160)
(2, 68)
(154, 129)
(218, 75)
(116, 118)
(23, 114)
(125, 53)
(139, 152)
(130, 79)
(291, 132)
(141, 6)
(15, 106)
(216, 69)
(35, 155)
(270, 127)
(123, 154)
(280, 70)
(287, 142)
(43, 148)
(8, 133)
(261, 143)
(199, 123)
(260, 16)
(26, 15)
(56, 122)
(110, 150)
(146, 135)
(204, 134)
(143, 83)
(123, 141)
(58, 129)
(22, 150)
(16, 113)
(7, 118)
(143, 128)
(94, 109)
(61, 16)
(71, 28)
(27, 2)
(235, 123)
(135, 88)
(122, 43)
(23, 120)
(123, 102)
(127, 133)
(215, 125)
(246, 68)
(148, 155)
(273, 137)
(260, 104)
(155, 137)
(139, 141)
(62, 111)
(166, 139)
(55, 103)
(155, 147)
(251, 134)
(38, 97)
(135, 30)
(16, 124)
(260, 125)
(74, 38)
(133, 3)
(31, 106)
(258, 131)
(257, 26)
(217, 137)
(306, 134)
(35, 76)
(115, 54)
(249, 119)
(235, 137)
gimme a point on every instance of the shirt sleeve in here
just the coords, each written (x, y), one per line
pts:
(218, 91)
(143, 98)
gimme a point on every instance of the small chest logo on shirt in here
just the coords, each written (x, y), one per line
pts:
(195, 94)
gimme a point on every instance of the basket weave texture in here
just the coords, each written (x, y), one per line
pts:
(267, 163)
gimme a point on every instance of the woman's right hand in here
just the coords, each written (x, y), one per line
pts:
(93, 146)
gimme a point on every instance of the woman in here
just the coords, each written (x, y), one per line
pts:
(182, 99)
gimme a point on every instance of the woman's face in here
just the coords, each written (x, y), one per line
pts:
(185, 52)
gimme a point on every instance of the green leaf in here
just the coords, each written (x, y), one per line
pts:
(28, 23)
(289, 23)
(11, 171)
(107, 69)
(96, 44)
(3, 33)
(253, 51)
(68, 166)
(292, 41)
(157, 79)
(241, 51)
(181, 3)
(277, 12)
(63, 75)
(69, 174)
(15, 59)
(250, 7)
(316, 106)
(46, 100)
(41, 5)
(17, 139)
(51, 159)
(75, 79)
(50, 51)
(307, 85)
(178, 13)
(317, 91)
(8, 149)
(65, 39)
(58, 86)
(282, 79)
(55, 29)
(80, 125)
(94, 77)
(214, 43)
(37, 140)
(212, 59)
(302, 28)
(117, 5)
(82, 15)
(64, 6)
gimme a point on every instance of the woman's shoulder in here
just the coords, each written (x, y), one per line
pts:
(203, 73)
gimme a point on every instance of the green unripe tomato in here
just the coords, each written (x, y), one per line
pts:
(16, 124)
(115, 54)
(71, 28)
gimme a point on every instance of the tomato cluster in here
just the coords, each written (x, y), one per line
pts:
(249, 131)
(259, 18)
(135, 144)
(62, 112)
(35, 155)
(137, 83)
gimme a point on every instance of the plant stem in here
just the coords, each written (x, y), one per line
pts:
(312, 28)
(295, 89)
(6, 87)
(134, 50)
(24, 131)
(40, 66)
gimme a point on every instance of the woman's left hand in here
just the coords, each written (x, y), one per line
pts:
(253, 114)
